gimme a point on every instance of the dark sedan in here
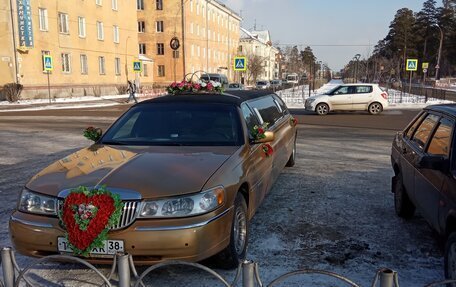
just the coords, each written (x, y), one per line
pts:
(424, 162)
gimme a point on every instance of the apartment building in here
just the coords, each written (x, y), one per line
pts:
(207, 32)
(92, 43)
(259, 44)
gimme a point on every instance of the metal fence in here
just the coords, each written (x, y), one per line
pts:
(247, 274)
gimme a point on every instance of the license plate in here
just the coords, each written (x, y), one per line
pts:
(110, 247)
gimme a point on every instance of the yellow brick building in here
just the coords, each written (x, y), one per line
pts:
(207, 31)
(92, 44)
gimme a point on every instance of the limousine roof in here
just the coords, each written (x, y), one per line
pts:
(229, 97)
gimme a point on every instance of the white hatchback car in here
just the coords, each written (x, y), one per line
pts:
(349, 97)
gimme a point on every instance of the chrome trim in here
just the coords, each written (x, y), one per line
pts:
(125, 194)
(32, 223)
(168, 228)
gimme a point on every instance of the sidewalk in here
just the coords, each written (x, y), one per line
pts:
(69, 103)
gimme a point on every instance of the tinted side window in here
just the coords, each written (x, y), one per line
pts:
(281, 104)
(412, 128)
(249, 117)
(424, 130)
(441, 140)
(363, 89)
(267, 109)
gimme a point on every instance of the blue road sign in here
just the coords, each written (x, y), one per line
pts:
(240, 63)
(47, 60)
(412, 65)
(137, 66)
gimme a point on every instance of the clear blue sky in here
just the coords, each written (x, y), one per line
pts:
(324, 22)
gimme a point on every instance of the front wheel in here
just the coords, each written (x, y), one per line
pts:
(375, 108)
(322, 109)
(234, 253)
(450, 257)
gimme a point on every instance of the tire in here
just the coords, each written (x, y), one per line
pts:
(375, 108)
(450, 258)
(403, 206)
(322, 109)
(236, 250)
(292, 159)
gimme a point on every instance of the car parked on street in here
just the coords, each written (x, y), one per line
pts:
(221, 78)
(262, 85)
(235, 87)
(276, 84)
(349, 97)
(191, 170)
(423, 157)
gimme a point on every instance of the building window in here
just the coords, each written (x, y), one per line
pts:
(44, 52)
(160, 49)
(66, 63)
(82, 27)
(101, 65)
(176, 54)
(99, 2)
(43, 13)
(114, 5)
(117, 66)
(140, 4)
(159, 4)
(115, 30)
(145, 72)
(63, 23)
(159, 25)
(161, 70)
(141, 26)
(100, 31)
(84, 65)
(142, 49)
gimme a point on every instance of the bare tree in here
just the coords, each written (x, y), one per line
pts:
(255, 67)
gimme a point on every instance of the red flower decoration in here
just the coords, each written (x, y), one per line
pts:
(87, 228)
(293, 121)
(268, 150)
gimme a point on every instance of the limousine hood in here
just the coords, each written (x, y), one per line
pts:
(157, 171)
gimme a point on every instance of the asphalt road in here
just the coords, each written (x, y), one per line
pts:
(332, 211)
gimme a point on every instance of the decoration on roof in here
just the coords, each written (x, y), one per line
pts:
(188, 85)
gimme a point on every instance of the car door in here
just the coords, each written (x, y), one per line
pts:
(421, 194)
(258, 167)
(407, 154)
(361, 97)
(429, 181)
(341, 98)
(448, 192)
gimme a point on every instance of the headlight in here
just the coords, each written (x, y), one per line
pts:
(309, 101)
(37, 203)
(181, 206)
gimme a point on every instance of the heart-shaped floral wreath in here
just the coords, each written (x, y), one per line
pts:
(87, 216)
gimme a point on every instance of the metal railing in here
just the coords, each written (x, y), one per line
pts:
(13, 276)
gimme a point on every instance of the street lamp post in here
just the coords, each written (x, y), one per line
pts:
(126, 60)
(437, 67)
(356, 58)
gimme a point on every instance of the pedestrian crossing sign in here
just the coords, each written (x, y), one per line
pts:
(240, 63)
(412, 65)
(47, 63)
(137, 66)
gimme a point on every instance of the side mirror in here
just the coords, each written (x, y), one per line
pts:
(434, 162)
(268, 137)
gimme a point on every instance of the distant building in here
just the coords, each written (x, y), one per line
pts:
(207, 31)
(92, 45)
(258, 43)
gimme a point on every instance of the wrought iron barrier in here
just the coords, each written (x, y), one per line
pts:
(247, 270)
